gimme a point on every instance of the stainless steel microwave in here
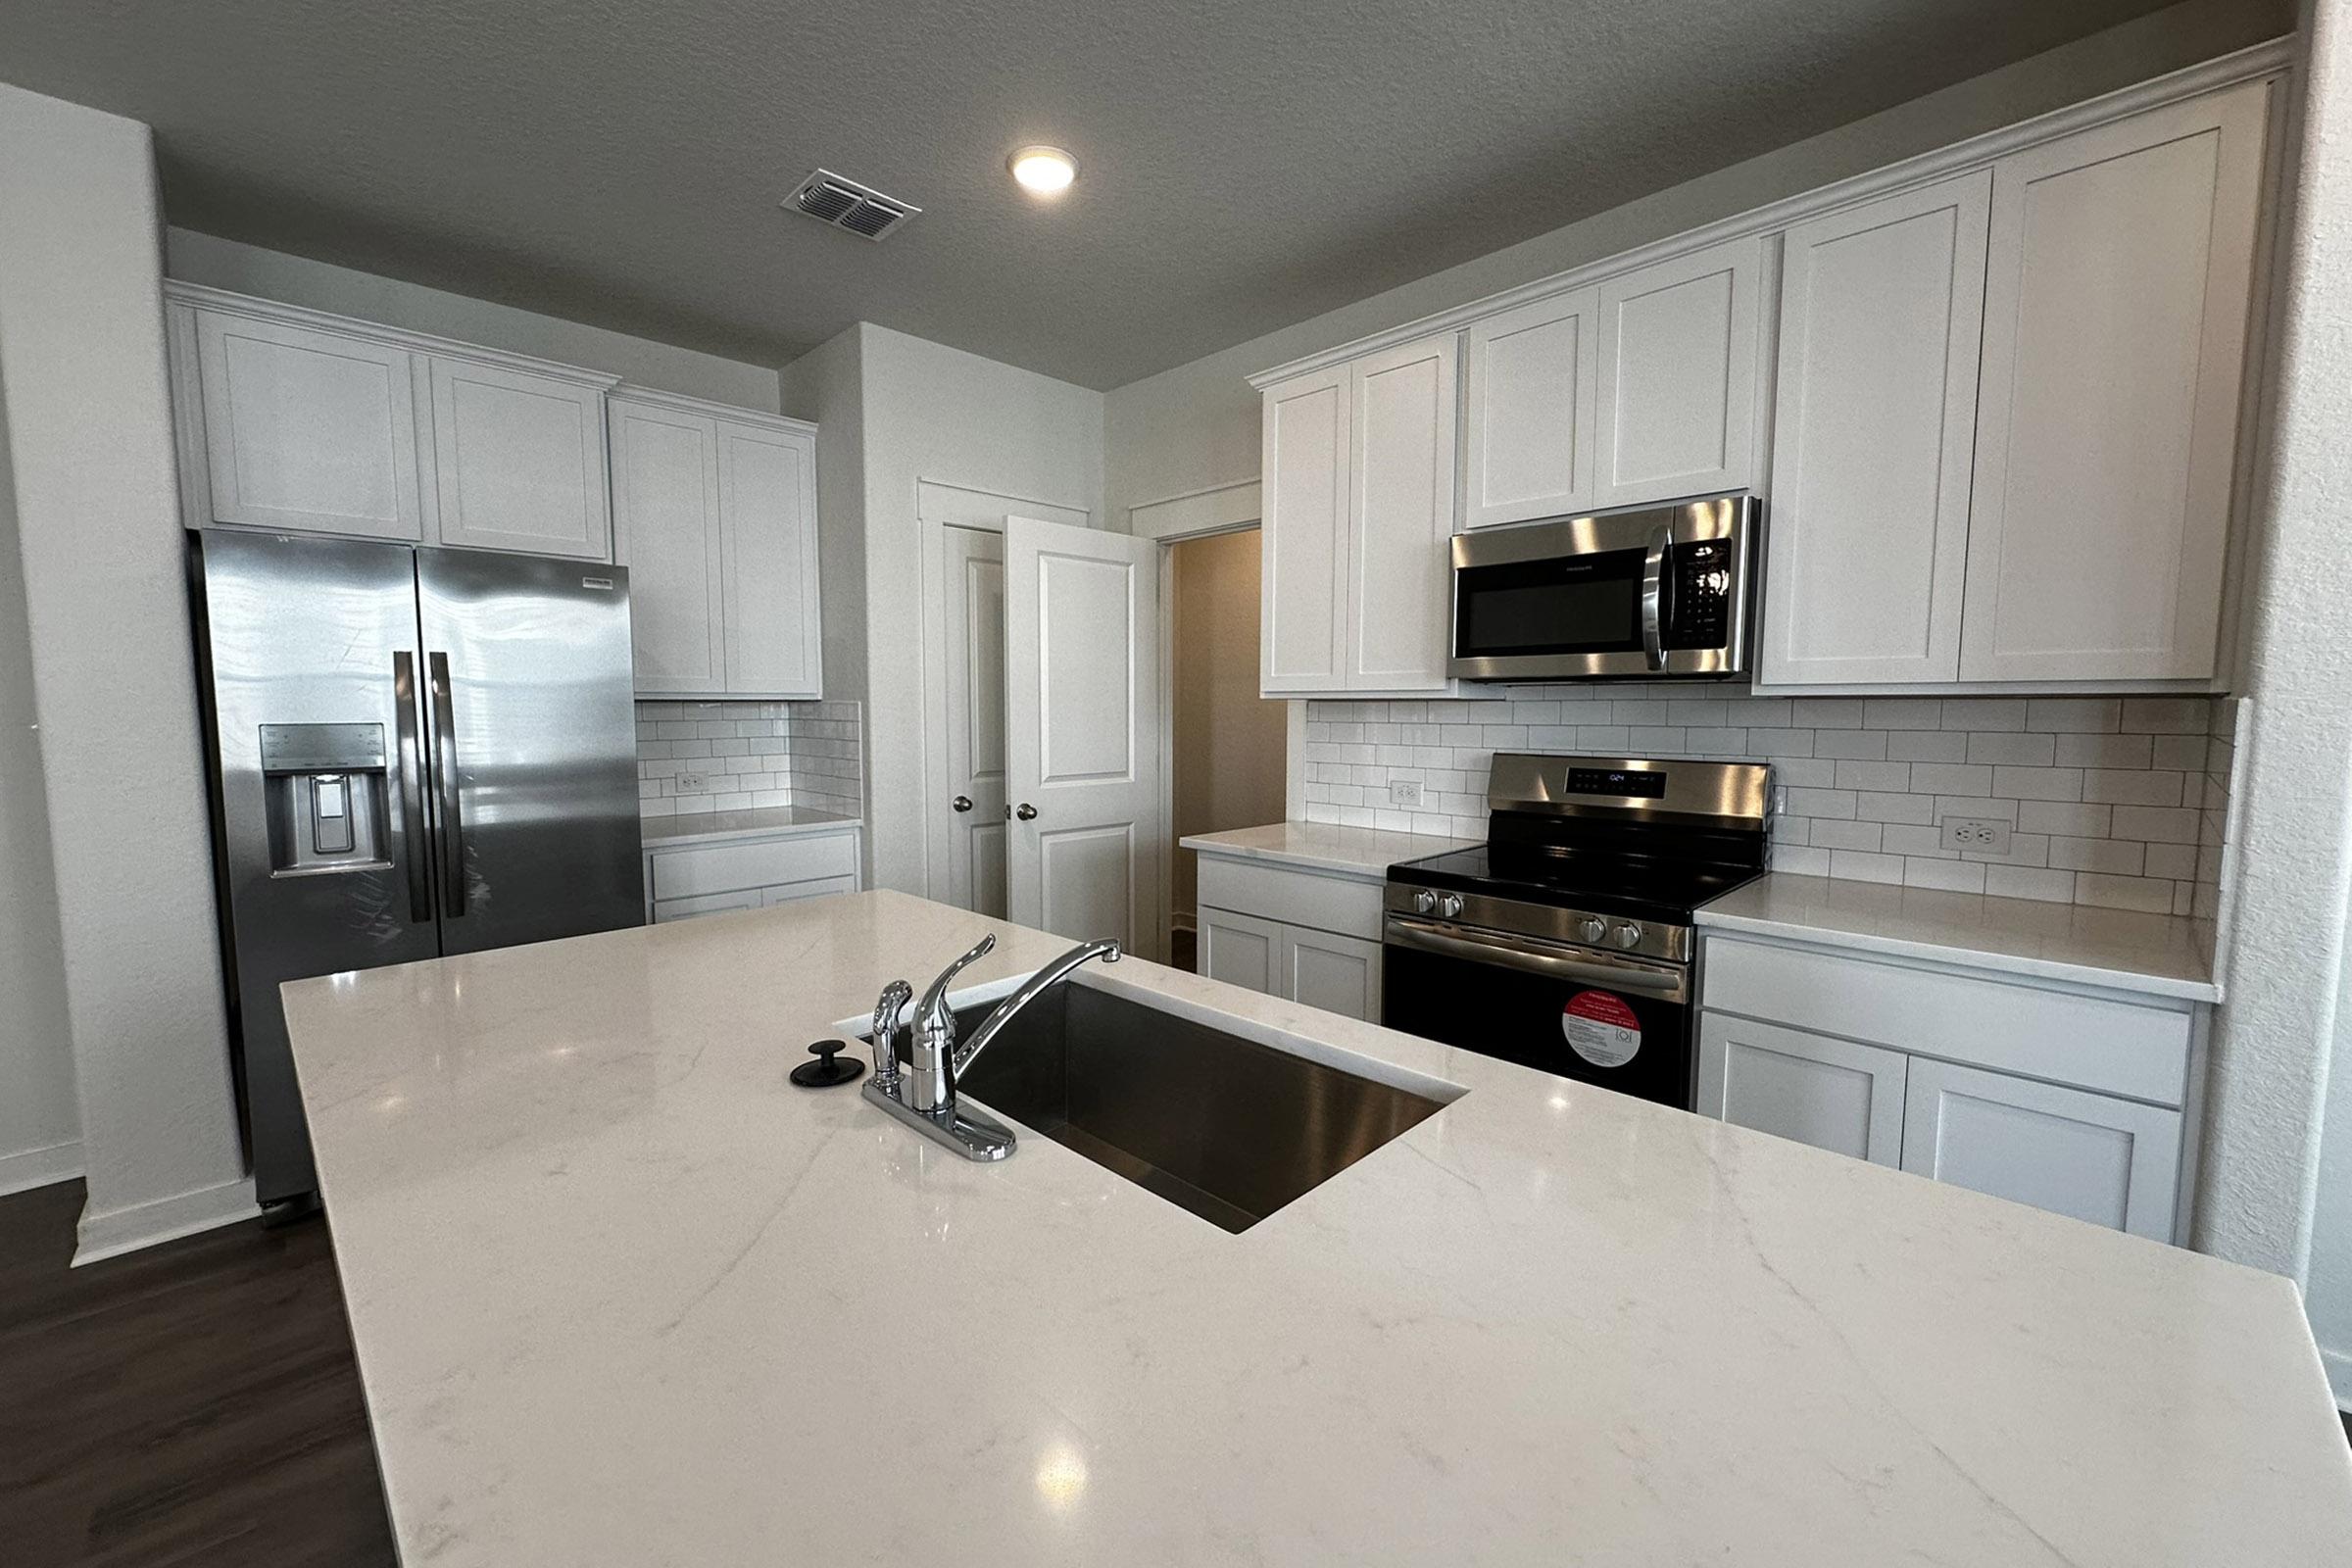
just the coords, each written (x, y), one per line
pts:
(1652, 593)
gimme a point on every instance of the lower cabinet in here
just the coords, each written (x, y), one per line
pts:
(2075, 1101)
(750, 872)
(1305, 936)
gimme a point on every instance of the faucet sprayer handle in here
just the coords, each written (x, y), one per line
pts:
(895, 997)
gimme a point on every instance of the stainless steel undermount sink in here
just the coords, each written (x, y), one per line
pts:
(1223, 1126)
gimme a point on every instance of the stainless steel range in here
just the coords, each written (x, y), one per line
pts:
(1564, 943)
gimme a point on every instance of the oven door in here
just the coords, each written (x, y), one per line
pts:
(1622, 1024)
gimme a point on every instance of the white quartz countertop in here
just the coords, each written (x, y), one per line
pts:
(756, 823)
(1359, 852)
(2154, 953)
(622, 1295)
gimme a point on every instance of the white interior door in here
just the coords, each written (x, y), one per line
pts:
(970, 815)
(1082, 728)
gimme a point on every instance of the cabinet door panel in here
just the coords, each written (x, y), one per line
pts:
(2113, 1162)
(1303, 599)
(1401, 475)
(767, 522)
(793, 892)
(1881, 312)
(308, 429)
(669, 910)
(1679, 377)
(2114, 336)
(1241, 949)
(1336, 973)
(665, 531)
(1530, 379)
(519, 462)
(1832, 1094)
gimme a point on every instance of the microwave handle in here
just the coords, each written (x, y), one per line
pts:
(1653, 594)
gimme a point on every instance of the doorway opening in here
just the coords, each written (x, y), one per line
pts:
(1228, 744)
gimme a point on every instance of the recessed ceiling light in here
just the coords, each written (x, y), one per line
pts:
(1047, 171)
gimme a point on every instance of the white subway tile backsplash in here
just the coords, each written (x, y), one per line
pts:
(2109, 798)
(750, 753)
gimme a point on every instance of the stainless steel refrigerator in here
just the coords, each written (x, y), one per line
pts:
(414, 752)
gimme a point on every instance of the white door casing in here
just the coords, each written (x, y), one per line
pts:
(971, 584)
(1082, 725)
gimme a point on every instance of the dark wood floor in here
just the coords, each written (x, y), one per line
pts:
(195, 1403)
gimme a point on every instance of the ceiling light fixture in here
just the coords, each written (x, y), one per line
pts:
(1047, 171)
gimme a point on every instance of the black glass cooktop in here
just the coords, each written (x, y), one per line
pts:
(1640, 886)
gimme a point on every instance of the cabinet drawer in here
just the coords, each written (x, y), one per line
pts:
(731, 867)
(1295, 898)
(2112, 1046)
(793, 892)
(667, 909)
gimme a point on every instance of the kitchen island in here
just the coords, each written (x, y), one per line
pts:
(621, 1295)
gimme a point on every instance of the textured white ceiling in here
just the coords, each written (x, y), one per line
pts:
(1247, 163)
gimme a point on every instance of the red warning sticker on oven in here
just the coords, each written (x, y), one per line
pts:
(1601, 1028)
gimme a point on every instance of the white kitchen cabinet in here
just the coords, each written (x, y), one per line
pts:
(301, 427)
(519, 461)
(2116, 317)
(1303, 608)
(715, 514)
(665, 531)
(2069, 1097)
(1337, 973)
(767, 533)
(1400, 510)
(750, 869)
(1881, 311)
(1530, 379)
(2113, 1162)
(1241, 949)
(1813, 1089)
(1359, 497)
(667, 909)
(1680, 376)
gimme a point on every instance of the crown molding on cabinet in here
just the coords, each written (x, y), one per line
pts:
(222, 301)
(2274, 56)
(704, 408)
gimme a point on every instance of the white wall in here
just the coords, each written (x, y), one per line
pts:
(928, 414)
(40, 1130)
(2280, 1123)
(827, 385)
(1196, 427)
(194, 258)
(89, 429)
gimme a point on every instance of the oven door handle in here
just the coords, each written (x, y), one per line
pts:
(1653, 594)
(1669, 984)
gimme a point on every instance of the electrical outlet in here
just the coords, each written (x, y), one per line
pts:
(693, 783)
(1980, 834)
(1404, 791)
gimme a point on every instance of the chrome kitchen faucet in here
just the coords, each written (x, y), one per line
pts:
(924, 1096)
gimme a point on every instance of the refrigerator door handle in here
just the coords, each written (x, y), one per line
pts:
(411, 786)
(445, 772)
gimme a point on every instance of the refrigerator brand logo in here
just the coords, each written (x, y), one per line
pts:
(600, 584)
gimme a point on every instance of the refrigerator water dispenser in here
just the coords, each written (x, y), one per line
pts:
(326, 787)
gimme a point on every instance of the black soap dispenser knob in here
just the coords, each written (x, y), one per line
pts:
(828, 1068)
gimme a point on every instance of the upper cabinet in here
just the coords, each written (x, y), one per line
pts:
(519, 461)
(2116, 317)
(1359, 503)
(1530, 379)
(1881, 309)
(715, 513)
(302, 428)
(1679, 377)
(292, 419)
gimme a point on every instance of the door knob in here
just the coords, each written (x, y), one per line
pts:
(962, 802)
(1027, 812)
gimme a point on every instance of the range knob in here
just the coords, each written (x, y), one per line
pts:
(1424, 902)
(1592, 928)
(1628, 935)
(1449, 904)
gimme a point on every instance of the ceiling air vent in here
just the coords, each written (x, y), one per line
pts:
(846, 204)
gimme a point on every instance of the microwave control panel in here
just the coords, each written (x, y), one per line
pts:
(1699, 612)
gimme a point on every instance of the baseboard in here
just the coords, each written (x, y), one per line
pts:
(28, 1168)
(166, 1219)
(2339, 1376)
